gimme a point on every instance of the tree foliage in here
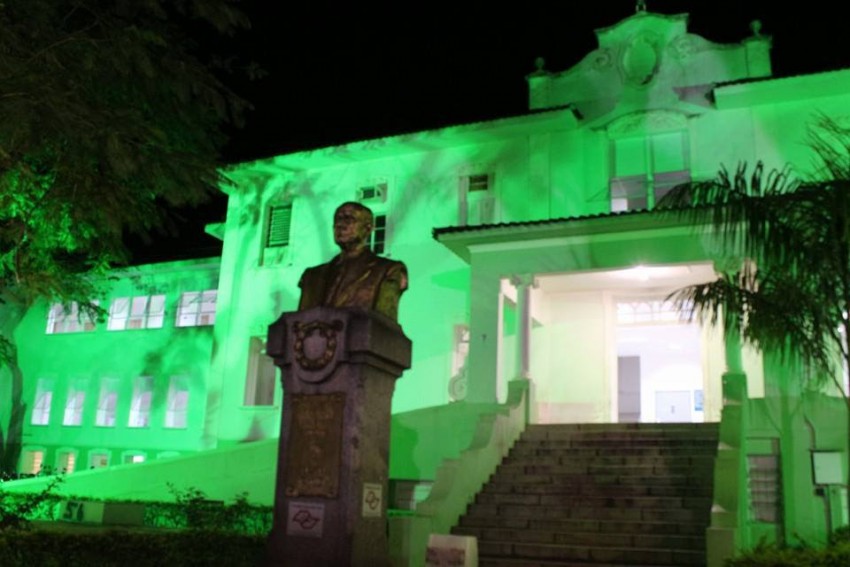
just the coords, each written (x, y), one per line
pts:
(109, 111)
(788, 287)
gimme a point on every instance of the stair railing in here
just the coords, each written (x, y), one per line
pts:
(458, 480)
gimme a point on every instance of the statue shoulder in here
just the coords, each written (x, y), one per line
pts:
(394, 271)
(314, 273)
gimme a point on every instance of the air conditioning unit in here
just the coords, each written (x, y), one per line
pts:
(376, 193)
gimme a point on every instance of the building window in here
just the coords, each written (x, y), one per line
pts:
(132, 457)
(196, 308)
(68, 319)
(379, 234)
(177, 404)
(66, 461)
(140, 312)
(764, 481)
(99, 459)
(646, 168)
(261, 377)
(31, 461)
(140, 406)
(43, 399)
(477, 199)
(107, 402)
(478, 182)
(279, 225)
(74, 403)
(642, 311)
(460, 353)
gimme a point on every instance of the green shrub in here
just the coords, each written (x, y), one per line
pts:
(837, 555)
(18, 510)
(192, 509)
(121, 548)
(840, 535)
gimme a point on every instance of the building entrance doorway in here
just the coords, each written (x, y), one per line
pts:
(607, 347)
(659, 372)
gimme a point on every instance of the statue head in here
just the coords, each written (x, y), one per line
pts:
(352, 226)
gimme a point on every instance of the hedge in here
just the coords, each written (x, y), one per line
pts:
(120, 548)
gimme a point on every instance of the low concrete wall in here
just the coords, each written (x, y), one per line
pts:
(459, 480)
(458, 445)
(221, 473)
(421, 440)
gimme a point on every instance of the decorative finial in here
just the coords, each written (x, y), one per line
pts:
(755, 26)
(640, 7)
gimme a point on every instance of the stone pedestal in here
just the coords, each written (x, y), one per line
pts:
(339, 368)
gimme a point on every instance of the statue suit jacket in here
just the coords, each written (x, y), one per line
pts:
(367, 281)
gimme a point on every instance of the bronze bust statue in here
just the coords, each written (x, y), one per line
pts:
(356, 277)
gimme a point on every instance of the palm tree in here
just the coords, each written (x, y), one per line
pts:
(790, 291)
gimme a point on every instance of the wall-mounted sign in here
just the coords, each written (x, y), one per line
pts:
(373, 495)
(305, 519)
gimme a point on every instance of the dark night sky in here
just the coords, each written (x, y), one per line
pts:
(339, 72)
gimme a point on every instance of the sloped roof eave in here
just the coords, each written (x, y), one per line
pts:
(459, 239)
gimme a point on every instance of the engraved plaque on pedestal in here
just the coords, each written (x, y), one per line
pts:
(313, 466)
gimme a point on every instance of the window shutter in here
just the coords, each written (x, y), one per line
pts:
(280, 219)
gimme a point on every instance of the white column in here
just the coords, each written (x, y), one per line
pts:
(484, 318)
(523, 284)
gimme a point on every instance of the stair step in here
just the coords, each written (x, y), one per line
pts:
(519, 476)
(596, 539)
(623, 555)
(568, 448)
(587, 487)
(587, 512)
(593, 469)
(510, 562)
(583, 500)
(598, 494)
(691, 430)
(633, 427)
(586, 525)
(542, 456)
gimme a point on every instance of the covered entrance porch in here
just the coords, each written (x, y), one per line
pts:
(578, 308)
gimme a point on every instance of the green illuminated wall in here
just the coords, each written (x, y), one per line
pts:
(554, 164)
(121, 356)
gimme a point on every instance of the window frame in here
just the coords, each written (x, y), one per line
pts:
(261, 377)
(35, 465)
(140, 404)
(63, 320)
(279, 220)
(42, 402)
(640, 190)
(477, 198)
(197, 308)
(75, 403)
(130, 313)
(70, 464)
(107, 416)
(378, 240)
(177, 403)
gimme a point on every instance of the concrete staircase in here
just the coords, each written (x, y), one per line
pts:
(598, 494)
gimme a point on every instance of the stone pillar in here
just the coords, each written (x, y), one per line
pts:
(339, 368)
